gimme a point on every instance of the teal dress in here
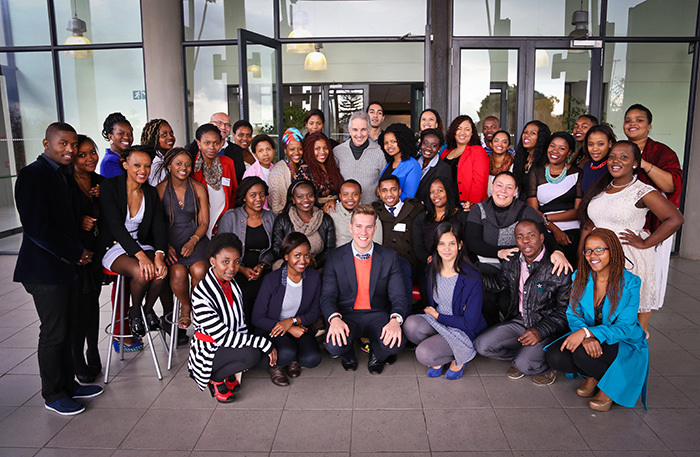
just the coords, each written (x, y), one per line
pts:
(626, 379)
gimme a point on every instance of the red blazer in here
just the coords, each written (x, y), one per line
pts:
(472, 173)
(229, 171)
(663, 157)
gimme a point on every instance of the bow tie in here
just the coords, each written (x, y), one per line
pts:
(363, 256)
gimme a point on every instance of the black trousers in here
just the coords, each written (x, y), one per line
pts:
(52, 303)
(229, 361)
(494, 305)
(369, 325)
(580, 362)
(304, 350)
(84, 329)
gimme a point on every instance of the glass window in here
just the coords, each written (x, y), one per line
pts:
(212, 83)
(360, 62)
(561, 87)
(651, 18)
(112, 80)
(311, 18)
(488, 85)
(220, 20)
(30, 99)
(657, 75)
(20, 16)
(525, 18)
(104, 22)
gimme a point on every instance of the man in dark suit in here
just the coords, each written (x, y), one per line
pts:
(46, 263)
(363, 294)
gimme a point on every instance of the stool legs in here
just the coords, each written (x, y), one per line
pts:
(150, 345)
(173, 331)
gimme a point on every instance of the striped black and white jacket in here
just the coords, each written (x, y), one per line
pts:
(212, 316)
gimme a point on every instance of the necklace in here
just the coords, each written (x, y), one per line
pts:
(599, 166)
(552, 180)
(82, 185)
(624, 185)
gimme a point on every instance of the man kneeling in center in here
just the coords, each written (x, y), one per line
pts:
(363, 294)
(537, 312)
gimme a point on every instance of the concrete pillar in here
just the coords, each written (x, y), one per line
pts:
(690, 237)
(162, 52)
(441, 28)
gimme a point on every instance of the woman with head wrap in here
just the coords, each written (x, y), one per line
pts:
(283, 172)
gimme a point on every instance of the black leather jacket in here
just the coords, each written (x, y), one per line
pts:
(545, 296)
(283, 226)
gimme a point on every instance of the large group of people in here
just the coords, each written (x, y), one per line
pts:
(451, 243)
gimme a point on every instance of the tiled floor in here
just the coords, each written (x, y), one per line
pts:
(330, 412)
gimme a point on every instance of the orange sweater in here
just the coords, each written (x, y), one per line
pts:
(363, 268)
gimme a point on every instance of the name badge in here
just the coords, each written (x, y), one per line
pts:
(226, 182)
(400, 227)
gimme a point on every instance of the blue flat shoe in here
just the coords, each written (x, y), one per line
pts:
(455, 374)
(434, 372)
(136, 346)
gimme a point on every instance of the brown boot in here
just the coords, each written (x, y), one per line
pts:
(294, 370)
(278, 377)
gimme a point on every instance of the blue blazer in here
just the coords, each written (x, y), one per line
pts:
(466, 303)
(626, 379)
(268, 304)
(387, 290)
(409, 173)
(49, 213)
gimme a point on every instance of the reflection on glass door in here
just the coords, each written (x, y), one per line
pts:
(343, 101)
(488, 85)
(562, 87)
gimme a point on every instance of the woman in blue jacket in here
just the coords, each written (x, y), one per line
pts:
(399, 145)
(453, 319)
(286, 308)
(606, 343)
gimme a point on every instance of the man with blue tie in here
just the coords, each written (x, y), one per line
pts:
(363, 294)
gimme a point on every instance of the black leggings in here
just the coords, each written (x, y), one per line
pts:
(229, 361)
(580, 362)
(304, 350)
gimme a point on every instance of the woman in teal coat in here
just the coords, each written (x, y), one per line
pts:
(606, 344)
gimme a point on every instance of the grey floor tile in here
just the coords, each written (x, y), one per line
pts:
(465, 430)
(18, 451)
(404, 366)
(17, 389)
(74, 452)
(659, 341)
(141, 364)
(319, 393)
(474, 454)
(167, 430)
(547, 429)
(638, 453)
(151, 453)
(328, 368)
(15, 298)
(19, 318)
(564, 389)
(552, 454)
(440, 393)
(97, 428)
(132, 392)
(617, 429)
(305, 454)
(687, 338)
(230, 430)
(490, 367)
(11, 357)
(26, 338)
(380, 392)
(30, 427)
(518, 393)
(677, 428)
(6, 411)
(663, 394)
(694, 316)
(689, 385)
(674, 363)
(29, 366)
(391, 454)
(183, 393)
(389, 431)
(256, 393)
(6, 332)
(687, 453)
(330, 431)
(228, 454)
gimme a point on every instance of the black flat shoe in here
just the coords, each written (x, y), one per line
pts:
(374, 365)
(152, 320)
(138, 327)
(86, 378)
(349, 363)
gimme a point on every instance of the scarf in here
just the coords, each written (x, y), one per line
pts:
(358, 150)
(505, 166)
(310, 229)
(213, 174)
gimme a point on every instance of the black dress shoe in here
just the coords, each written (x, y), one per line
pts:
(374, 365)
(138, 327)
(390, 360)
(86, 378)
(349, 363)
(152, 320)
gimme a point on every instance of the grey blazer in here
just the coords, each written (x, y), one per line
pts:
(236, 221)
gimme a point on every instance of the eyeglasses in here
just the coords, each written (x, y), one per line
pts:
(597, 251)
(222, 124)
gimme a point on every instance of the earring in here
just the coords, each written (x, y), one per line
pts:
(634, 167)
(111, 141)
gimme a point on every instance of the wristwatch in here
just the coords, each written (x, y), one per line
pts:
(295, 320)
(587, 332)
(398, 318)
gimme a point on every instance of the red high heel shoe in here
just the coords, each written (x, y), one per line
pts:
(221, 392)
(232, 384)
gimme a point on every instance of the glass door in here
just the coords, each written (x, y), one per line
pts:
(260, 76)
(343, 100)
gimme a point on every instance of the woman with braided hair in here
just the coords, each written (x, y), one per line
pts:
(157, 134)
(186, 207)
(606, 344)
(530, 153)
(117, 130)
(217, 173)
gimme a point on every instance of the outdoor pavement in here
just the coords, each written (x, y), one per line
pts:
(330, 412)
